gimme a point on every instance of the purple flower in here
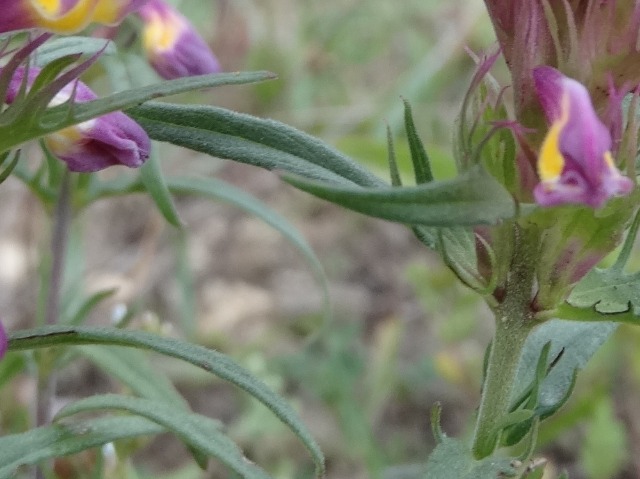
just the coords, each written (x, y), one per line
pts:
(112, 139)
(575, 163)
(4, 341)
(173, 46)
(63, 16)
(595, 40)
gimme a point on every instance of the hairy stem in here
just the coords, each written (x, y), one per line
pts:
(514, 322)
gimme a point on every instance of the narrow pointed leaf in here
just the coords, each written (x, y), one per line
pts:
(579, 342)
(259, 142)
(419, 157)
(393, 164)
(194, 429)
(88, 305)
(64, 46)
(153, 180)
(133, 369)
(207, 359)
(55, 118)
(472, 198)
(62, 439)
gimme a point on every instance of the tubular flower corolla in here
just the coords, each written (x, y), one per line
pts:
(575, 164)
(63, 16)
(173, 46)
(111, 139)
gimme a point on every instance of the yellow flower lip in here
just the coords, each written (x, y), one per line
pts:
(551, 161)
(161, 32)
(172, 45)
(51, 15)
(575, 164)
(63, 16)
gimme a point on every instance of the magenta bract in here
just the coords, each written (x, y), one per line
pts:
(575, 163)
(174, 48)
(112, 139)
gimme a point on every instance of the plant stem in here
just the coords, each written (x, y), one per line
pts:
(514, 322)
(59, 238)
(504, 357)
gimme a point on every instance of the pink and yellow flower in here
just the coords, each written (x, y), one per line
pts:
(111, 139)
(173, 46)
(575, 163)
(63, 16)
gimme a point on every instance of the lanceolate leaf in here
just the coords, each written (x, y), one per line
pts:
(472, 198)
(62, 439)
(265, 143)
(132, 368)
(153, 180)
(204, 358)
(63, 46)
(27, 127)
(196, 430)
(421, 164)
(573, 343)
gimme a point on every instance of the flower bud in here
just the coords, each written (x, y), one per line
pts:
(111, 139)
(173, 46)
(63, 16)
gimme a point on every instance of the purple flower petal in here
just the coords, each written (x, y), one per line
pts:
(64, 16)
(112, 139)
(575, 164)
(174, 48)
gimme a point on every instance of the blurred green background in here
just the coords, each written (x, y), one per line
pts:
(403, 334)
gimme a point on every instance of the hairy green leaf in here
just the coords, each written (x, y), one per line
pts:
(572, 345)
(260, 142)
(155, 183)
(194, 429)
(207, 359)
(133, 369)
(473, 198)
(28, 125)
(609, 294)
(421, 164)
(72, 45)
(452, 459)
(64, 438)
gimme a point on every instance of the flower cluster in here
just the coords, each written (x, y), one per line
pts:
(171, 43)
(63, 16)
(111, 139)
(563, 143)
(571, 64)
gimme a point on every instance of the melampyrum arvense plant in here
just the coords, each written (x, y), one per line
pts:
(546, 188)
